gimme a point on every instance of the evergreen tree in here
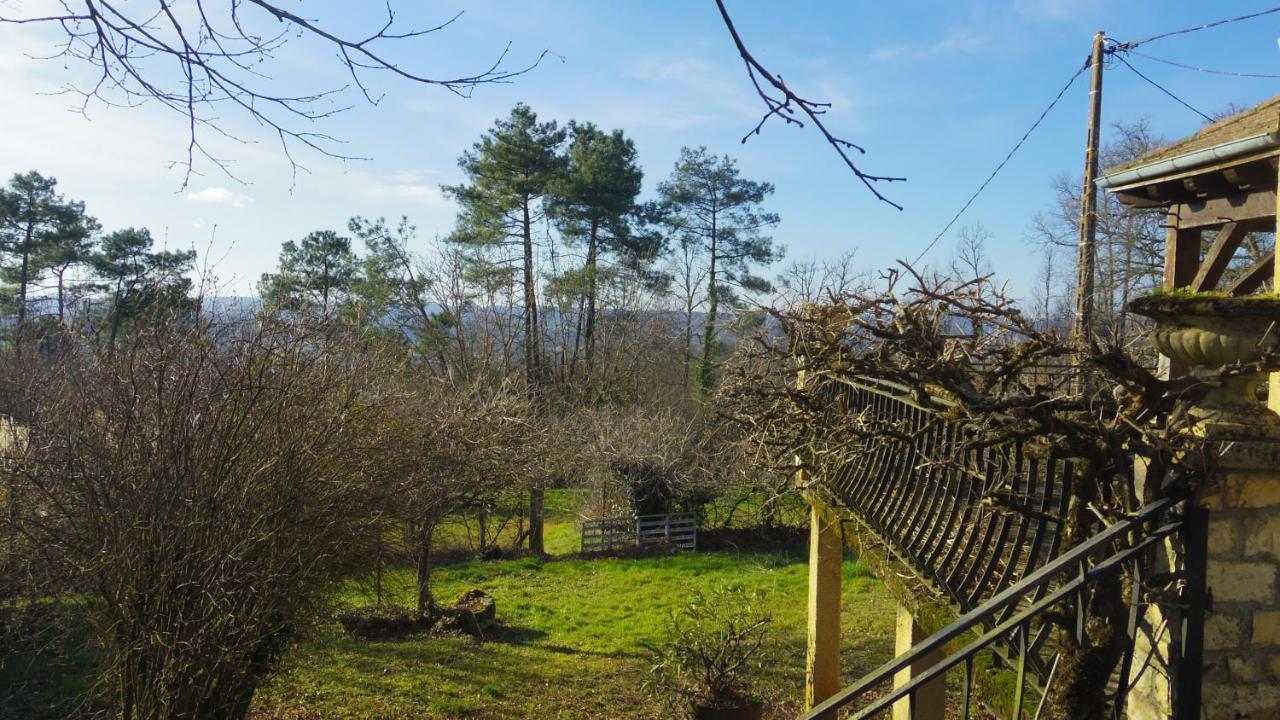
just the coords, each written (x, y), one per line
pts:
(594, 206)
(510, 171)
(316, 276)
(60, 258)
(395, 286)
(139, 280)
(717, 218)
(38, 229)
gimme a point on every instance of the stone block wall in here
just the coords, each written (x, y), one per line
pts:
(1242, 629)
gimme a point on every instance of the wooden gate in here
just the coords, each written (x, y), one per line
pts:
(678, 529)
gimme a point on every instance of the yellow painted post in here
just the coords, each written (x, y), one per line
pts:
(826, 553)
(1273, 384)
(931, 700)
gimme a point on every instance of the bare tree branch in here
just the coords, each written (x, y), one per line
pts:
(196, 62)
(783, 102)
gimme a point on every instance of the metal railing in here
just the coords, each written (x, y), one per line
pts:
(982, 526)
(936, 506)
(1014, 614)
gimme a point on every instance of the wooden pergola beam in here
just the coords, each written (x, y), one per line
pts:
(1220, 254)
(1256, 206)
(1254, 277)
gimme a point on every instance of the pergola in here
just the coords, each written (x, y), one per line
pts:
(1223, 179)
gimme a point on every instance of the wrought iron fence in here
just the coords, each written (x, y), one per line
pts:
(983, 526)
(940, 512)
(1012, 616)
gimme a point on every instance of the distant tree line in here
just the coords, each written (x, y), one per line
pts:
(556, 272)
(56, 263)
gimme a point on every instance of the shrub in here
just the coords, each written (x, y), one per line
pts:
(379, 622)
(715, 643)
(200, 487)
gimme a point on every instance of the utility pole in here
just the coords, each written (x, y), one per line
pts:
(1083, 330)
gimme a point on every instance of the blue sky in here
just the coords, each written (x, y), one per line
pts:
(936, 91)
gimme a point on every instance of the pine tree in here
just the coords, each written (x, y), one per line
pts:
(594, 207)
(315, 276)
(35, 219)
(139, 280)
(510, 172)
(717, 218)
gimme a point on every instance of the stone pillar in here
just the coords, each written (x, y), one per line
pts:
(826, 555)
(1242, 629)
(931, 700)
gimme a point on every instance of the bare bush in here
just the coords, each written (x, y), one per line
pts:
(459, 444)
(198, 489)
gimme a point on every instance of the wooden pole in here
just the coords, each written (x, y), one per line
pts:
(1088, 255)
(1273, 381)
(826, 554)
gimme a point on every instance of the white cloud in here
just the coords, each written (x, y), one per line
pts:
(219, 196)
(412, 185)
(959, 42)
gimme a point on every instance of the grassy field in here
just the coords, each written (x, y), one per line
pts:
(570, 644)
(572, 639)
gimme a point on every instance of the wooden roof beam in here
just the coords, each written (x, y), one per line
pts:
(1258, 273)
(1220, 254)
(1252, 206)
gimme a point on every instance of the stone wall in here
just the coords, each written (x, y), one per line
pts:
(1242, 629)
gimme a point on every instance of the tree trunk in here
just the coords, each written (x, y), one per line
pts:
(1085, 669)
(590, 331)
(533, 367)
(688, 343)
(24, 277)
(709, 330)
(62, 296)
(537, 499)
(426, 602)
(116, 313)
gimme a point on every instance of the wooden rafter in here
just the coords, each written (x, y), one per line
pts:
(1258, 273)
(1255, 206)
(1220, 254)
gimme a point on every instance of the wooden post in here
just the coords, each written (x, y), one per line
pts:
(1181, 263)
(931, 700)
(1088, 250)
(826, 553)
(1273, 382)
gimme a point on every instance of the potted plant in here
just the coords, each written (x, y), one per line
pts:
(1221, 339)
(715, 643)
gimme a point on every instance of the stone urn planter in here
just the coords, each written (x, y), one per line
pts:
(1208, 333)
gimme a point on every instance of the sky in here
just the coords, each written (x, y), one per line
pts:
(935, 91)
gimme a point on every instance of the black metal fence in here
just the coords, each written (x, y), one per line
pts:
(983, 527)
(971, 524)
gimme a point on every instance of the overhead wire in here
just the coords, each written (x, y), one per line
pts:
(1184, 31)
(1115, 50)
(1161, 88)
(1044, 113)
(1211, 71)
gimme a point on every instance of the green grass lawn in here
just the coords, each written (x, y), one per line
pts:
(571, 644)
